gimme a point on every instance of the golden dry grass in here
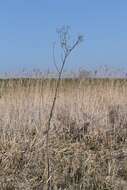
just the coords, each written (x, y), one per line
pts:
(88, 136)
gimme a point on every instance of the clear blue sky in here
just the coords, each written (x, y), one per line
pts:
(28, 29)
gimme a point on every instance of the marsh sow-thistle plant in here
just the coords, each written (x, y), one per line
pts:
(67, 48)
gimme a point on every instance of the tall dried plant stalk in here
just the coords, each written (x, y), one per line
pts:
(67, 48)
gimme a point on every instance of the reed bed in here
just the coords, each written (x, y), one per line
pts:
(88, 135)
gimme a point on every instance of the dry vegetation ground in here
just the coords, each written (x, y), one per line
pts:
(88, 136)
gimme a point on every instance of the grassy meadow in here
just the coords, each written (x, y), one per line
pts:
(87, 139)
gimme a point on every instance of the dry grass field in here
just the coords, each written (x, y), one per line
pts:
(87, 141)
